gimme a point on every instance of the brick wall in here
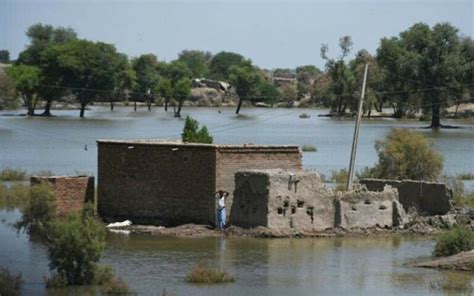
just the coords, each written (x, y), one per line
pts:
(71, 192)
(156, 183)
(172, 183)
(231, 159)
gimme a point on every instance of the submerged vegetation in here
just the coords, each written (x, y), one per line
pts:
(10, 174)
(459, 239)
(201, 274)
(309, 148)
(10, 284)
(193, 134)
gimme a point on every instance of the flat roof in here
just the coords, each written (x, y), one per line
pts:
(165, 142)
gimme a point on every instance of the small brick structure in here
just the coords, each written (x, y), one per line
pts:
(280, 199)
(171, 183)
(71, 192)
(427, 197)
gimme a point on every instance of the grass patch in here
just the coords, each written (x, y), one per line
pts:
(309, 148)
(116, 286)
(10, 174)
(16, 196)
(10, 284)
(459, 239)
(453, 284)
(465, 176)
(208, 275)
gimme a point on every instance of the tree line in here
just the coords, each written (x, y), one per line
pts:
(422, 69)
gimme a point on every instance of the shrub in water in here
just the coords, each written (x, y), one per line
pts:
(456, 240)
(40, 211)
(309, 148)
(9, 174)
(9, 284)
(75, 248)
(208, 275)
(116, 286)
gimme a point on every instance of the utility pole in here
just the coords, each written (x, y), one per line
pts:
(356, 132)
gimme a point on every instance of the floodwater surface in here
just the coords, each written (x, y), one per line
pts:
(67, 143)
(320, 266)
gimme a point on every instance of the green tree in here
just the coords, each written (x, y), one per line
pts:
(432, 59)
(268, 92)
(305, 76)
(4, 56)
(371, 100)
(285, 73)
(404, 154)
(41, 37)
(147, 77)
(221, 64)
(89, 70)
(246, 81)
(175, 71)
(165, 90)
(126, 81)
(192, 133)
(8, 99)
(289, 92)
(77, 243)
(27, 79)
(341, 76)
(181, 91)
(197, 61)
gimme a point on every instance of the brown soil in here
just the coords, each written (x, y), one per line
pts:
(463, 261)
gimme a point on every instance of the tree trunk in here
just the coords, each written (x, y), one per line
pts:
(180, 104)
(83, 109)
(148, 103)
(112, 106)
(435, 114)
(239, 106)
(166, 104)
(47, 108)
(134, 105)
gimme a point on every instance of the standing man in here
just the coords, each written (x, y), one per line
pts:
(221, 195)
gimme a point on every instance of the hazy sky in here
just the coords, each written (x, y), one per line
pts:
(271, 33)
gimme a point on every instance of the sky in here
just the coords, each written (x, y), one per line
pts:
(272, 34)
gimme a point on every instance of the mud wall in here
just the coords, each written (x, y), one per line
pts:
(281, 199)
(71, 192)
(428, 197)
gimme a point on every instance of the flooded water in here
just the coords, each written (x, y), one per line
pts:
(322, 266)
(336, 266)
(66, 144)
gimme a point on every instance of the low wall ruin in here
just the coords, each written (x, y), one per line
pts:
(280, 199)
(427, 197)
(71, 192)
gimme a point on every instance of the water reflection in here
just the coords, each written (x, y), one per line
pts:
(322, 266)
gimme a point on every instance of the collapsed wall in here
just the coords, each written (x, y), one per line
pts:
(427, 197)
(71, 192)
(280, 199)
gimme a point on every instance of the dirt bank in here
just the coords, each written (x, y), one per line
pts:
(463, 261)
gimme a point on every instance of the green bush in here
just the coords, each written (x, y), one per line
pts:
(192, 133)
(309, 148)
(10, 174)
(456, 240)
(10, 284)
(208, 275)
(103, 274)
(407, 155)
(55, 281)
(340, 179)
(75, 248)
(40, 211)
